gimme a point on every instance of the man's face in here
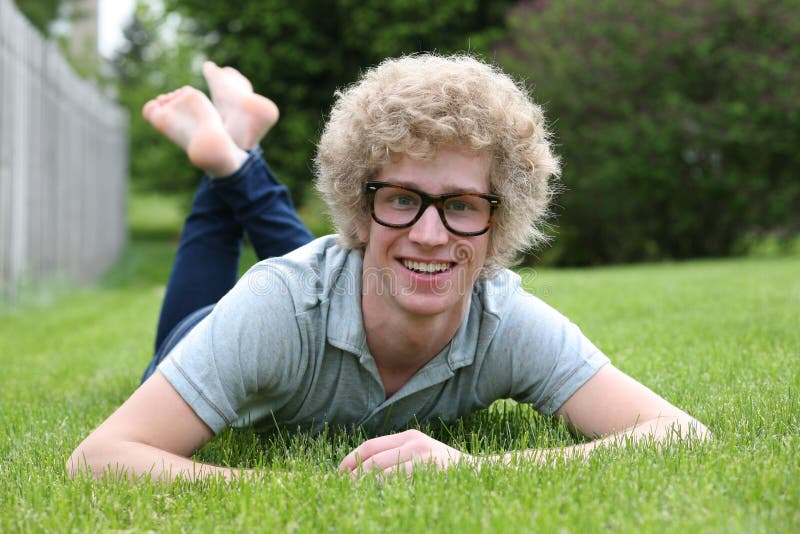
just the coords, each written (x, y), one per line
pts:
(425, 269)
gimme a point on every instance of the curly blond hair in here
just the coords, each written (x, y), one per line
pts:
(415, 104)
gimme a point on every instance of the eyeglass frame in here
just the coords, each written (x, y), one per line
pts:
(371, 188)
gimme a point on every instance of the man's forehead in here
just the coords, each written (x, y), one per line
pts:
(448, 170)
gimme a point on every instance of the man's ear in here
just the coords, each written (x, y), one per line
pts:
(490, 250)
(362, 232)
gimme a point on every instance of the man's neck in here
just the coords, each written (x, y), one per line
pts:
(401, 344)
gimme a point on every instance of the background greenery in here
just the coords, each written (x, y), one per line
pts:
(297, 52)
(41, 12)
(717, 337)
(678, 121)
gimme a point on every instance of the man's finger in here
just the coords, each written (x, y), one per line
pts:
(385, 459)
(374, 446)
(404, 468)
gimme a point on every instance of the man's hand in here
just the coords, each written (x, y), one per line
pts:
(400, 453)
(611, 407)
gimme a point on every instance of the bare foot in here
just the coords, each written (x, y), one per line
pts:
(188, 119)
(246, 115)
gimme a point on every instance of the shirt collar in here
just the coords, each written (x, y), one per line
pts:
(345, 329)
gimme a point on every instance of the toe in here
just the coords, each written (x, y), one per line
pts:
(149, 108)
(209, 67)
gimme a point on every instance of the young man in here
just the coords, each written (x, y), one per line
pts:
(437, 173)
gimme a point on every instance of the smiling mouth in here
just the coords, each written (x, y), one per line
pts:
(427, 267)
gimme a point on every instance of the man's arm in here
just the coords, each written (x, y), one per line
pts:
(152, 434)
(611, 406)
(615, 409)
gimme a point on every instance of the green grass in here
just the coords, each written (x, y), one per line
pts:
(156, 215)
(718, 338)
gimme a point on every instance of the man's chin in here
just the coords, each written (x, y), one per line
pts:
(428, 304)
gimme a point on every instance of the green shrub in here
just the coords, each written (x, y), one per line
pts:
(299, 52)
(678, 121)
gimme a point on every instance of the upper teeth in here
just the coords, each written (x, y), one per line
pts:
(426, 267)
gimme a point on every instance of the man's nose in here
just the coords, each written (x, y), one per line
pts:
(429, 229)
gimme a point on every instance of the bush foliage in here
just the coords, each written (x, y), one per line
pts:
(299, 52)
(678, 121)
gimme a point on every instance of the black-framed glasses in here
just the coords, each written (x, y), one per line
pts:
(464, 214)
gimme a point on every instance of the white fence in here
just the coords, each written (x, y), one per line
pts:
(63, 164)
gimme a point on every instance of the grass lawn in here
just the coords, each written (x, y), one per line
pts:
(717, 338)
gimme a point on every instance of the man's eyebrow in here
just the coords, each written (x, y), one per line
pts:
(454, 191)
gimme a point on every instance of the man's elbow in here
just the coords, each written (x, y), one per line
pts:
(691, 430)
(76, 463)
(79, 461)
(86, 458)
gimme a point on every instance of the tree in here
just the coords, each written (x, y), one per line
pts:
(298, 52)
(41, 13)
(154, 61)
(56, 19)
(678, 121)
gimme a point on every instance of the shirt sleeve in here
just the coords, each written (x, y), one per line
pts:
(249, 345)
(549, 357)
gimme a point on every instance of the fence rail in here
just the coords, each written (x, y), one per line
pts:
(63, 164)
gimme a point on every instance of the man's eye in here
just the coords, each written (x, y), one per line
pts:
(458, 205)
(403, 201)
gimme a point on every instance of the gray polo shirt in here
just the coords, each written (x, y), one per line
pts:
(287, 345)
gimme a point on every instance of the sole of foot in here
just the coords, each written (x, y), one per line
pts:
(187, 118)
(247, 116)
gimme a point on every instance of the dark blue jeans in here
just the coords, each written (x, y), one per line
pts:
(206, 265)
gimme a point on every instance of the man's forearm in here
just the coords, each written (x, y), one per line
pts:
(137, 461)
(661, 430)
